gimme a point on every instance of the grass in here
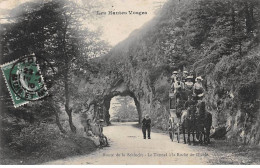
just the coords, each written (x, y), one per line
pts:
(244, 154)
(60, 148)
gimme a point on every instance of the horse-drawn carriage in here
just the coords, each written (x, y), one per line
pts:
(187, 115)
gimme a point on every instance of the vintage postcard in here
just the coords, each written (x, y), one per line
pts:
(130, 82)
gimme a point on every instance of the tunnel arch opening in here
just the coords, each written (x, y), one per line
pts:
(123, 109)
(107, 103)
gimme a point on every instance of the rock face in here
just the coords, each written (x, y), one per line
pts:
(149, 99)
(234, 101)
(141, 66)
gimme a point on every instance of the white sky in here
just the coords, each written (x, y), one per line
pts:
(116, 27)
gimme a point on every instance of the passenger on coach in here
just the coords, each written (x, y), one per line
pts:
(174, 75)
(185, 74)
(198, 89)
(189, 85)
(190, 104)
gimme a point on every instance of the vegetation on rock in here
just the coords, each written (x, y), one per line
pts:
(218, 40)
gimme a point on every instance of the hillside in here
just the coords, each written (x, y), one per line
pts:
(218, 40)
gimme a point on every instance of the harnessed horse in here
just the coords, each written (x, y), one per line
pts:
(204, 122)
(188, 122)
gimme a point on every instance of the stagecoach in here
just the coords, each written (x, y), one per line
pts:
(195, 119)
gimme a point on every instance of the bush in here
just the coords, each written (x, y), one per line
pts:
(155, 72)
(34, 137)
(249, 92)
(42, 143)
(162, 93)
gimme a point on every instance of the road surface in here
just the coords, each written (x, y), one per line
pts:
(127, 146)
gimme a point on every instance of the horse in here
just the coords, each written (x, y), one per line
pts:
(204, 123)
(188, 123)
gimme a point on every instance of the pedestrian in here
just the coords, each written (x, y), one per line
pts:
(146, 126)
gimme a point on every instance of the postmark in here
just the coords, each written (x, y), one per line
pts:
(24, 80)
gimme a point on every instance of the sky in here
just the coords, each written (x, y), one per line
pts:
(115, 27)
(118, 27)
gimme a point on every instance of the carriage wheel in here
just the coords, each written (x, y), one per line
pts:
(172, 134)
(178, 134)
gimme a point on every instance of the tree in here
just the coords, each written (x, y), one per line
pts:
(54, 30)
(126, 110)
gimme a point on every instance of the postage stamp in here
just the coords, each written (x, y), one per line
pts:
(24, 80)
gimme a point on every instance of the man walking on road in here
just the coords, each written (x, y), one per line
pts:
(146, 125)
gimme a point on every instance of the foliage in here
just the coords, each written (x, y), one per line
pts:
(155, 72)
(34, 137)
(126, 111)
(44, 142)
(54, 31)
(162, 93)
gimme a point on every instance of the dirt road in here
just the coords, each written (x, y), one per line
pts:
(127, 146)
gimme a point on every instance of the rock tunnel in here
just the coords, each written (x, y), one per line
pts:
(108, 98)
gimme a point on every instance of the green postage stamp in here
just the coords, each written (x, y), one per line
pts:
(24, 80)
